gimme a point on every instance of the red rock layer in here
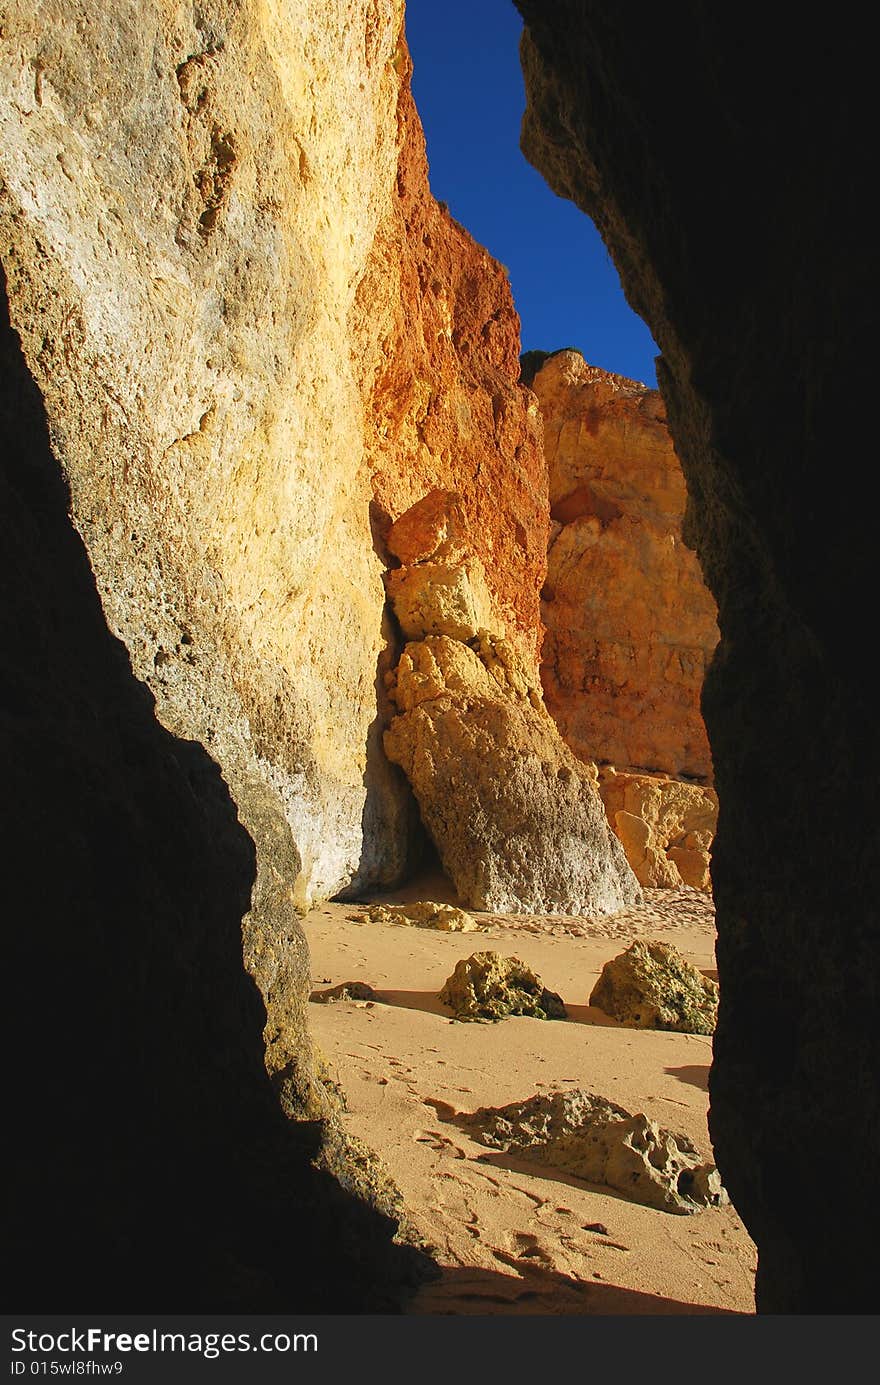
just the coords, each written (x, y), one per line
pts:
(630, 623)
(443, 406)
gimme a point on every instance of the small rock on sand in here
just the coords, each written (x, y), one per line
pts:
(651, 986)
(346, 990)
(487, 986)
(445, 918)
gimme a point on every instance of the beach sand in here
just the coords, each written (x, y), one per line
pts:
(512, 1238)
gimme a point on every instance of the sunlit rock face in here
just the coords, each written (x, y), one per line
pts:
(699, 168)
(444, 410)
(666, 826)
(630, 623)
(191, 197)
(515, 816)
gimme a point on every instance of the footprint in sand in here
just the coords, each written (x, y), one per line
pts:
(439, 1142)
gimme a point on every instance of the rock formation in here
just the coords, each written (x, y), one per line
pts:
(756, 295)
(488, 986)
(444, 918)
(241, 341)
(594, 1139)
(438, 364)
(630, 624)
(666, 826)
(515, 816)
(651, 986)
(188, 202)
(346, 990)
(188, 317)
(248, 339)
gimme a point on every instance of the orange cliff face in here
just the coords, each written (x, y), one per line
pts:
(630, 623)
(439, 376)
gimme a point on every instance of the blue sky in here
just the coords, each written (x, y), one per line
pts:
(469, 90)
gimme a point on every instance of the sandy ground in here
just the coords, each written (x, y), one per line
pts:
(513, 1239)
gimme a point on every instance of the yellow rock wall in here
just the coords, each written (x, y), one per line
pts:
(189, 200)
(630, 622)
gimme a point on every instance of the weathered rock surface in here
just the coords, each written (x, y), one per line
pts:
(514, 814)
(651, 986)
(438, 363)
(594, 1139)
(445, 918)
(488, 986)
(666, 826)
(441, 599)
(630, 623)
(435, 527)
(188, 315)
(645, 127)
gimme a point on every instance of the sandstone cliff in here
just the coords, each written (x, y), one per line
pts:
(439, 369)
(630, 623)
(515, 816)
(189, 204)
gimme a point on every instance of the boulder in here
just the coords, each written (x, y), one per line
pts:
(440, 599)
(436, 527)
(594, 1139)
(651, 986)
(514, 814)
(488, 986)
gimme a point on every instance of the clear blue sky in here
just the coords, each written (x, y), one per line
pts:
(469, 90)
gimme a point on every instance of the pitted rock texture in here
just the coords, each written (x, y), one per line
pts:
(438, 361)
(630, 623)
(444, 918)
(488, 986)
(651, 986)
(665, 826)
(594, 1139)
(189, 204)
(434, 528)
(514, 814)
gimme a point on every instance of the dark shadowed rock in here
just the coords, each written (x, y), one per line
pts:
(695, 151)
